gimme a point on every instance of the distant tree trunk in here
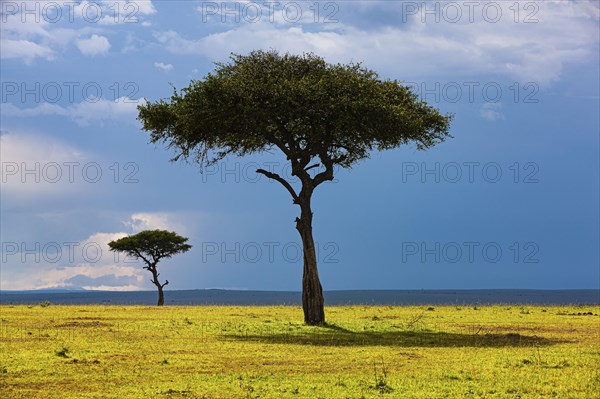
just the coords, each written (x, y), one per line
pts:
(161, 295)
(312, 292)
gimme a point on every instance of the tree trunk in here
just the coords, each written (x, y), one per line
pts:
(312, 292)
(161, 296)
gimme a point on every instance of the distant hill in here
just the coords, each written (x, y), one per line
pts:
(44, 291)
(349, 297)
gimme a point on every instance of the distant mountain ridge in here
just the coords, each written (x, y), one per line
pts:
(345, 297)
(46, 291)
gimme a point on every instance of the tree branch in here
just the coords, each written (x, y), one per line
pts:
(139, 255)
(279, 144)
(328, 162)
(281, 180)
(166, 282)
(289, 151)
(299, 171)
(312, 166)
(327, 174)
(339, 159)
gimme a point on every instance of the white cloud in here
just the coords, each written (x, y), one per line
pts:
(566, 32)
(152, 221)
(34, 166)
(122, 109)
(131, 43)
(95, 45)
(47, 276)
(294, 39)
(25, 49)
(492, 111)
(107, 12)
(126, 12)
(163, 67)
(55, 264)
(247, 11)
(145, 7)
(87, 264)
(38, 35)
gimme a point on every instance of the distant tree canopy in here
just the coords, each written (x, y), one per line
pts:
(317, 114)
(151, 246)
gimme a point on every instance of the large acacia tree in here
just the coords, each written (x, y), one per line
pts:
(319, 115)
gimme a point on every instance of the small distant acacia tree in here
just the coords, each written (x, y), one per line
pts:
(317, 114)
(151, 246)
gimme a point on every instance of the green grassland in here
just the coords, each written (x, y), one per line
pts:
(121, 352)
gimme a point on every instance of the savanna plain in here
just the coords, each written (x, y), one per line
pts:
(510, 351)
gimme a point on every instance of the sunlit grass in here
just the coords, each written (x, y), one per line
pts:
(266, 352)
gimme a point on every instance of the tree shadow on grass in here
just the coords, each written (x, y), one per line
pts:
(333, 335)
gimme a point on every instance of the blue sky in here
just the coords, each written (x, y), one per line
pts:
(512, 201)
